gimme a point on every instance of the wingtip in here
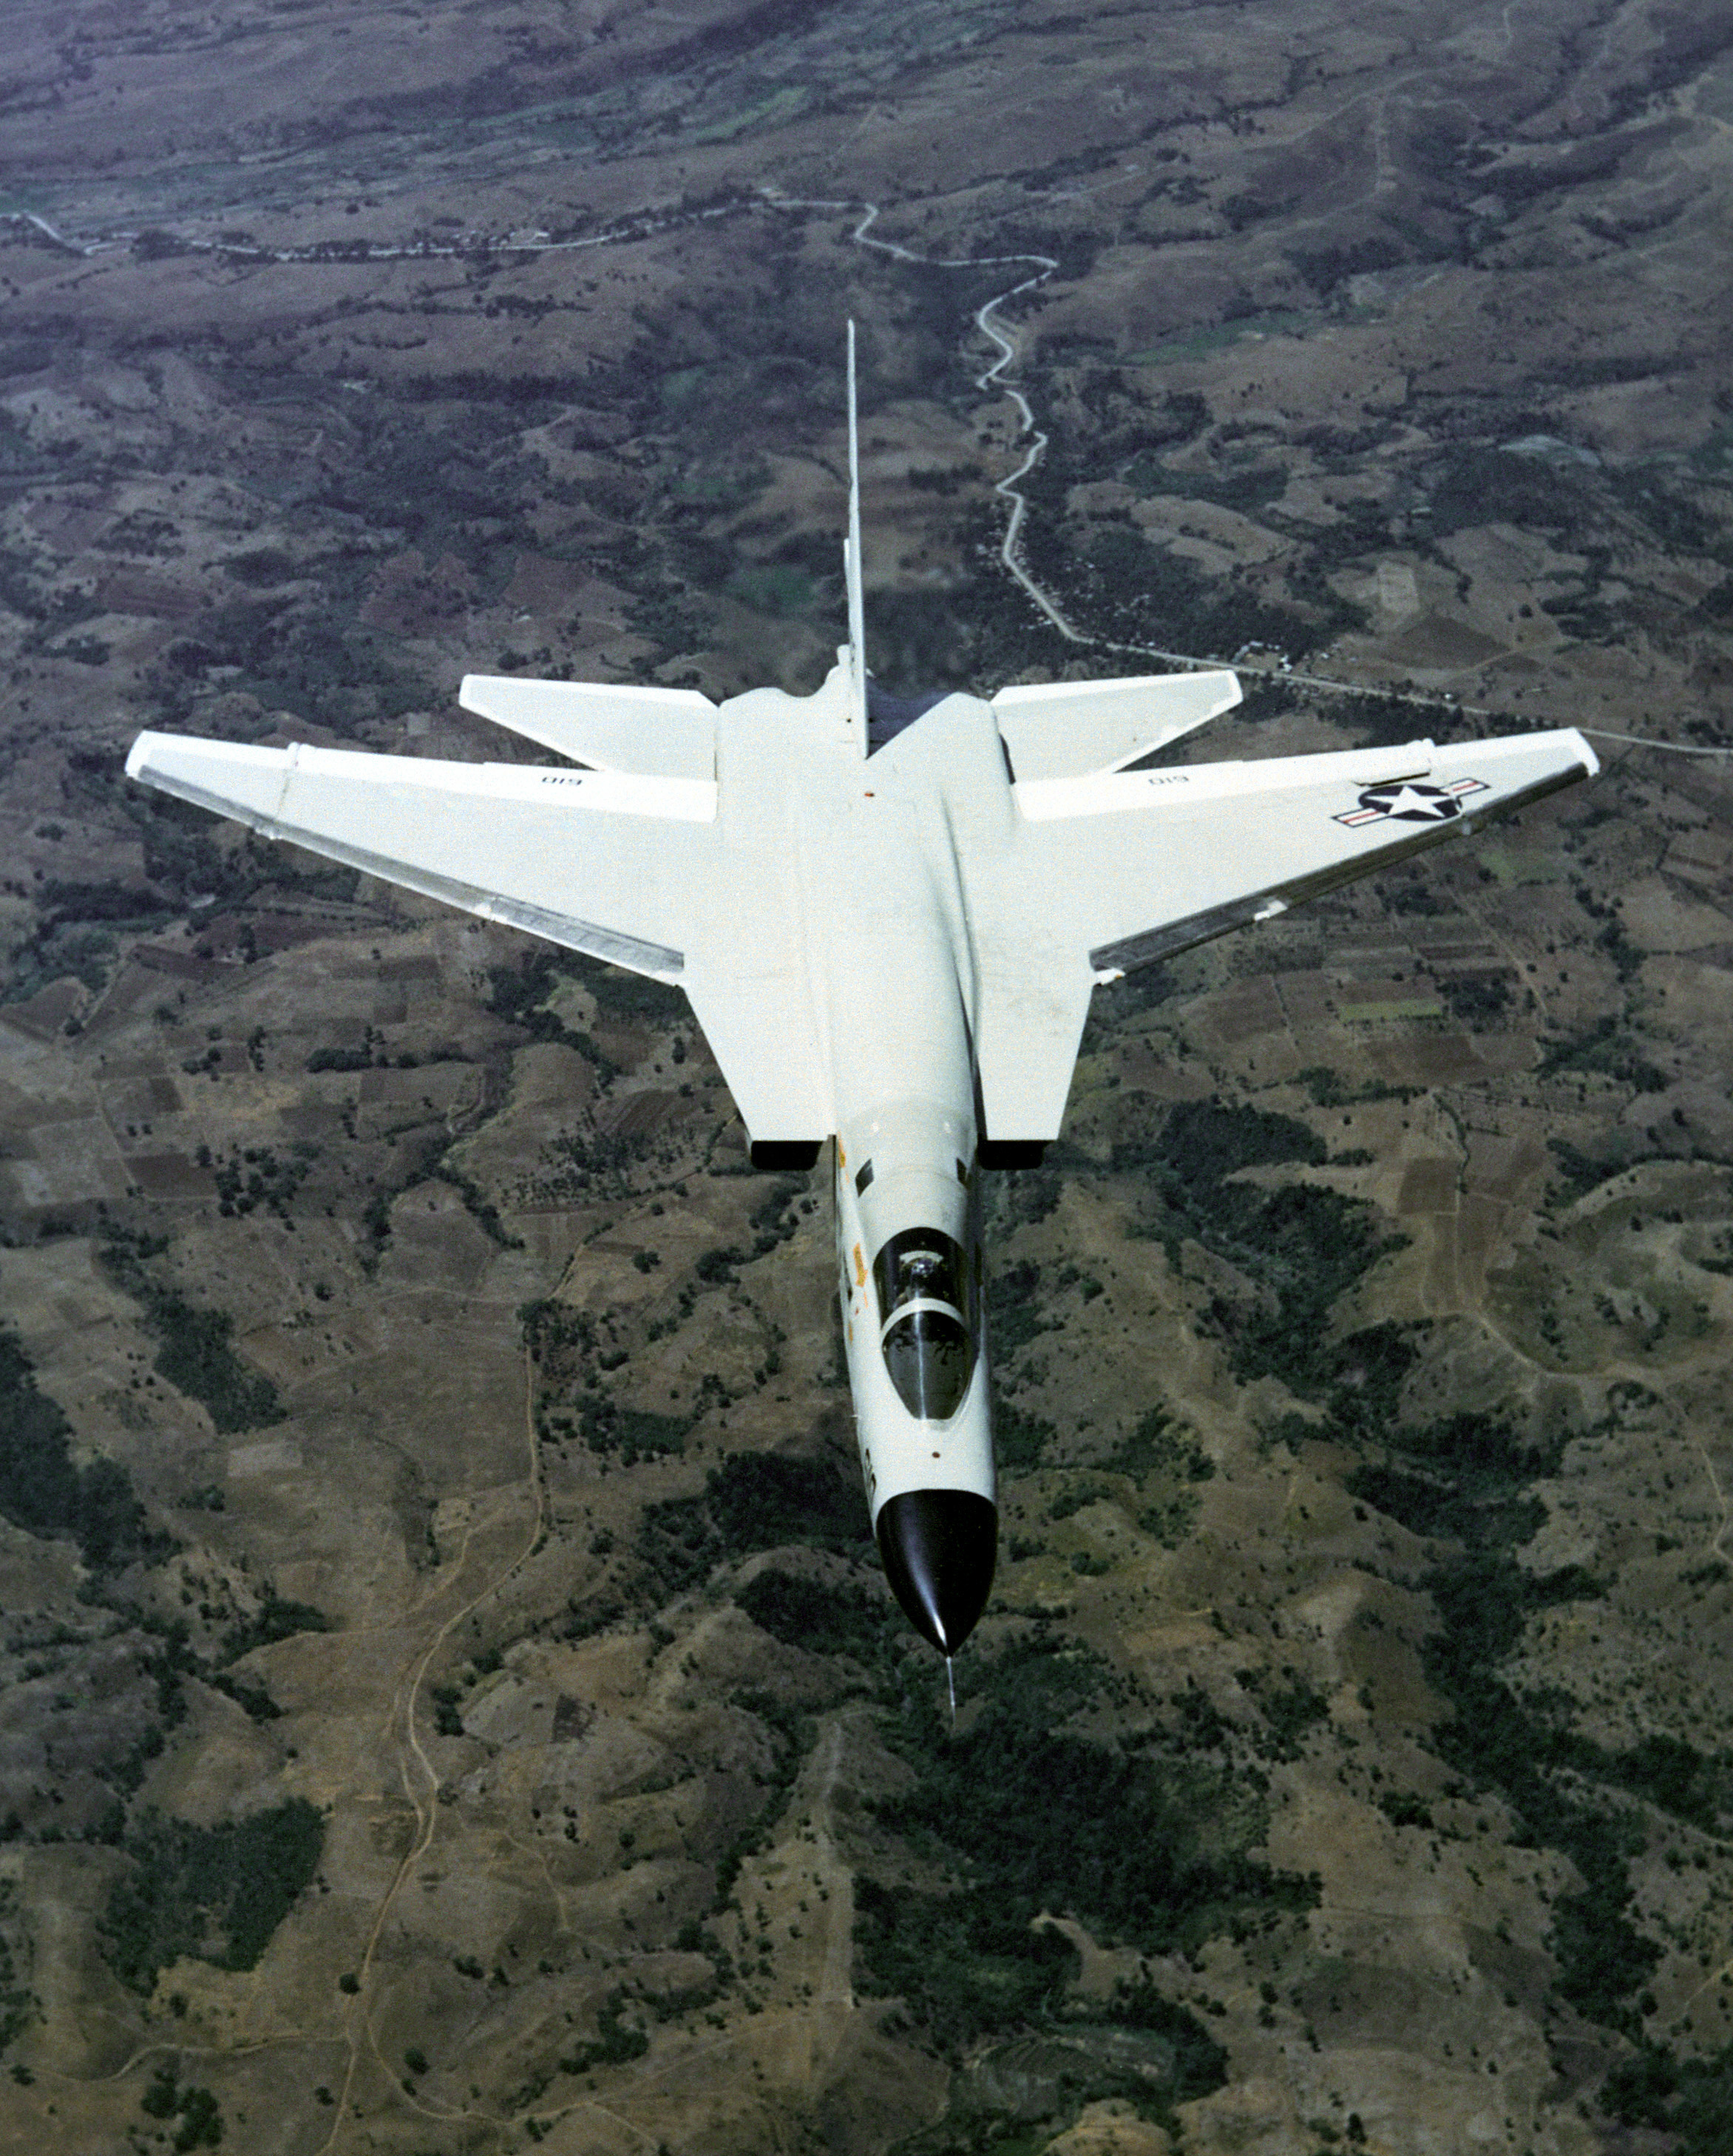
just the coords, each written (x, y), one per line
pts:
(473, 693)
(138, 756)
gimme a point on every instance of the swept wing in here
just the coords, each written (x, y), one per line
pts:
(638, 871)
(566, 854)
(1113, 870)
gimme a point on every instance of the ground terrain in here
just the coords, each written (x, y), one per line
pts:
(447, 1699)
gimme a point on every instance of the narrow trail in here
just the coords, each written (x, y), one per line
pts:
(834, 1988)
(650, 224)
(1719, 1536)
(465, 247)
(421, 1780)
(1010, 556)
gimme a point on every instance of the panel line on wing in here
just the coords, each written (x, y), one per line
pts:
(1109, 960)
(595, 941)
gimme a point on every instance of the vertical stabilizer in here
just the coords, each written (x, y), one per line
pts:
(851, 569)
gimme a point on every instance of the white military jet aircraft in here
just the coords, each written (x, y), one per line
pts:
(888, 916)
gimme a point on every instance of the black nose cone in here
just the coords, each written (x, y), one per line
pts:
(939, 1548)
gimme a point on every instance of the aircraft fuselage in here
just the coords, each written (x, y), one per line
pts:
(887, 943)
(888, 920)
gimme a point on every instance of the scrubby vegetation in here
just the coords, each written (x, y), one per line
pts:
(791, 1735)
(196, 1358)
(631, 1433)
(1477, 1000)
(753, 1501)
(219, 1892)
(1607, 1050)
(1289, 1705)
(1300, 1248)
(76, 927)
(250, 1176)
(1155, 1445)
(195, 1355)
(1014, 1311)
(1690, 2100)
(1019, 1440)
(615, 2043)
(41, 1488)
(1113, 574)
(1468, 1482)
(201, 2118)
(19, 2005)
(820, 1616)
(519, 992)
(277, 1618)
(1032, 1811)
(79, 921)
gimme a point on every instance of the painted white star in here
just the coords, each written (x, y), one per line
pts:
(1431, 808)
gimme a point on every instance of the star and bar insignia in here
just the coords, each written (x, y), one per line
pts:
(1408, 803)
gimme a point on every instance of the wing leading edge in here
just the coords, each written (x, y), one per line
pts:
(1177, 857)
(603, 862)
(638, 871)
(1118, 870)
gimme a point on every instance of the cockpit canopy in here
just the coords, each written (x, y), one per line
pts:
(926, 1308)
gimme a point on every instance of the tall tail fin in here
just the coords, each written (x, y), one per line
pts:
(851, 568)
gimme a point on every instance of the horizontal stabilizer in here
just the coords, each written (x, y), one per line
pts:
(1060, 729)
(666, 733)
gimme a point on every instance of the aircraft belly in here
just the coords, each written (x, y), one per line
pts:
(896, 1031)
(886, 979)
